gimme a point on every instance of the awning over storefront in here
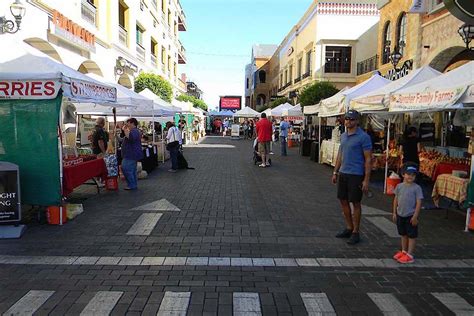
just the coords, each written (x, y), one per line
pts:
(339, 103)
(378, 100)
(452, 90)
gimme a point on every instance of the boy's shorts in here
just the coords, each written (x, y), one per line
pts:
(405, 228)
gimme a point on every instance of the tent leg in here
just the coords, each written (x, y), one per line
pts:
(319, 140)
(387, 155)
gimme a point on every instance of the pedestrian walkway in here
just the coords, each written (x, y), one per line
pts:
(231, 238)
(235, 303)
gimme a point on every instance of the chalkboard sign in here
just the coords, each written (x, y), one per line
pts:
(427, 132)
(10, 210)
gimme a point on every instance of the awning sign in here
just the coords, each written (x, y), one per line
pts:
(29, 89)
(424, 101)
(370, 103)
(89, 90)
(331, 109)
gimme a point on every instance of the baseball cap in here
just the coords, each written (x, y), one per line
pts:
(352, 114)
(411, 169)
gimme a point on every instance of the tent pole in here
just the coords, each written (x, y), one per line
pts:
(387, 155)
(319, 140)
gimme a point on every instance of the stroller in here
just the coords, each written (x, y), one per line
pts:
(257, 158)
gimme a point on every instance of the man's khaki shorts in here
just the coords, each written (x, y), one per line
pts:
(264, 148)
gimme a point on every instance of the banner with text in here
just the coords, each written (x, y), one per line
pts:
(95, 91)
(29, 89)
(426, 101)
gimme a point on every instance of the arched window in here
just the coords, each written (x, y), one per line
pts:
(402, 33)
(387, 34)
(261, 99)
(262, 76)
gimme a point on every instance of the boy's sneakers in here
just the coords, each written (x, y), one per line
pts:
(398, 255)
(346, 233)
(406, 258)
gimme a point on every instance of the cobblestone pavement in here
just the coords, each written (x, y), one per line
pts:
(232, 238)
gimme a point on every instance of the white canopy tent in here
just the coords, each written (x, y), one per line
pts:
(159, 103)
(311, 109)
(338, 104)
(246, 112)
(452, 90)
(277, 111)
(294, 111)
(378, 100)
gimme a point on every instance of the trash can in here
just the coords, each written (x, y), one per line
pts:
(314, 152)
(306, 150)
(392, 184)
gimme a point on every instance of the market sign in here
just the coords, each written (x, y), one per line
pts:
(88, 90)
(29, 89)
(331, 108)
(73, 32)
(462, 9)
(369, 103)
(9, 194)
(295, 119)
(424, 101)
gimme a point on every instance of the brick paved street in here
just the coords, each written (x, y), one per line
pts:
(233, 238)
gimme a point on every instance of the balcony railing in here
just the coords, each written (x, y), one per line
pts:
(306, 75)
(368, 65)
(140, 53)
(154, 60)
(155, 4)
(123, 36)
(297, 79)
(88, 12)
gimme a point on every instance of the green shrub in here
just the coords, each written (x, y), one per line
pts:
(157, 84)
(316, 92)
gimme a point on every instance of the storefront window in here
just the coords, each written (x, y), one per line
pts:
(402, 33)
(387, 34)
(338, 59)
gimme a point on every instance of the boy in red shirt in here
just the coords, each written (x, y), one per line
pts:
(264, 135)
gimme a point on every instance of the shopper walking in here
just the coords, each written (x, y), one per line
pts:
(352, 174)
(411, 147)
(264, 135)
(131, 153)
(284, 127)
(173, 142)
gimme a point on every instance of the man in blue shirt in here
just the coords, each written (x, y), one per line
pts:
(284, 127)
(131, 153)
(352, 174)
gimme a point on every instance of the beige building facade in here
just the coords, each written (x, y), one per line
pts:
(127, 36)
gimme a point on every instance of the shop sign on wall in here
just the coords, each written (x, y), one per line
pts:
(87, 90)
(29, 89)
(397, 73)
(73, 32)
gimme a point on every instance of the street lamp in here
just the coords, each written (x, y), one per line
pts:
(467, 33)
(18, 11)
(395, 56)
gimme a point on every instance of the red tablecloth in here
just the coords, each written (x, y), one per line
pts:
(74, 176)
(447, 168)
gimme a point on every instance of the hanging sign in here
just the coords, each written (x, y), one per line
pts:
(29, 89)
(462, 9)
(395, 74)
(429, 100)
(89, 90)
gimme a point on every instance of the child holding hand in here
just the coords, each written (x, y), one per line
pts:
(406, 209)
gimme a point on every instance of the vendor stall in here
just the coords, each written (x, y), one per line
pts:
(36, 87)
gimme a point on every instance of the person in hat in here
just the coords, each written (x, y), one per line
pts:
(352, 174)
(406, 209)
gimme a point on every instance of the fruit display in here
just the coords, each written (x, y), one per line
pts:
(378, 161)
(429, 160)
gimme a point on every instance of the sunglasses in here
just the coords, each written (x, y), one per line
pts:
(349, 119)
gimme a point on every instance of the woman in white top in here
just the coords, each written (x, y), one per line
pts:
(173, 142)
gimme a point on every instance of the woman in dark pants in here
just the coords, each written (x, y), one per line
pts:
(173, 141)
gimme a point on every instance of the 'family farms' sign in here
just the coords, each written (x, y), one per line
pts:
(87, 90)
(423, 101)
(72, 32)
(29, 89)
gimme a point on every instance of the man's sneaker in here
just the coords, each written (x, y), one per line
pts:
(406, 258)
(262, 165)
(398, 255)
(346, 233)
(354, 239)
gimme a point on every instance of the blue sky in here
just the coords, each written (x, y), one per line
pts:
(220, 36)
